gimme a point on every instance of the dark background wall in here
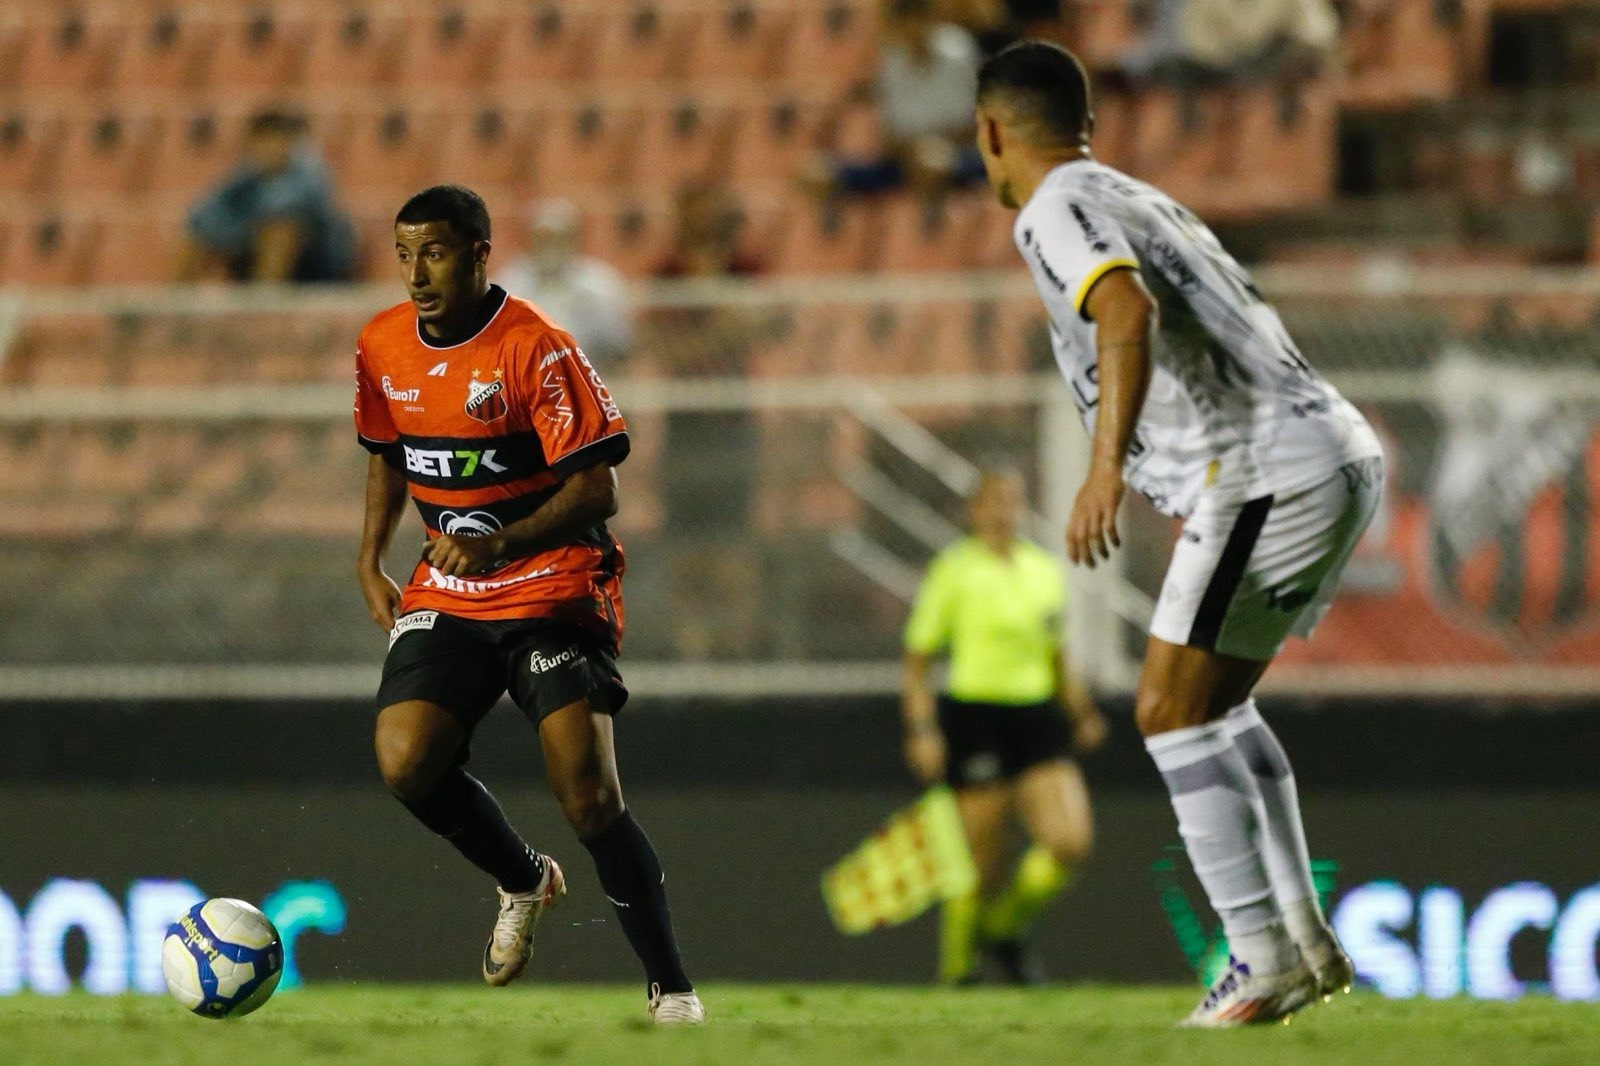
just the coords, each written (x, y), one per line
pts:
(748, 804)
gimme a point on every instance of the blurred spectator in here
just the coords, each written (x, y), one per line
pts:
(274, 218)
(1189, 42)
(584, 296)
(998, 23)
(927, 73)
(708, 464)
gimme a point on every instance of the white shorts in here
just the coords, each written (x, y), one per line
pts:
(1247, 574)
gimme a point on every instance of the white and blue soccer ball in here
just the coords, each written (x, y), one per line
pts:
(222, 958)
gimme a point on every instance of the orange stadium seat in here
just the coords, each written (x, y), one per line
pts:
(740, 42)
(259, 48)
(51, 249)
(30, 145)
(107, 153)
(808, 246)
(492, 149)
(358, 49)
(194, 150)
(1400, 52)
(71, 50)
(140, 248)
(833, 45)
(680, 141)
(165, 49)
(772, 141)
(585, 146)
(651, 42)
(1101, 31)
(453, 45)
(548, 47)
(910, 240)
(386, 156)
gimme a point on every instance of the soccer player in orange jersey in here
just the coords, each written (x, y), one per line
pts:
(493, 421)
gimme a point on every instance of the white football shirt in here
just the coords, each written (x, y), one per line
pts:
(1228, 386)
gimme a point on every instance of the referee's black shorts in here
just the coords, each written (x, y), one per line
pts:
(992, 743)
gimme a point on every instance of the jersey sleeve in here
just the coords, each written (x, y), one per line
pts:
(1076, 244)
(573, 412)
(374, 429)
(928, 631)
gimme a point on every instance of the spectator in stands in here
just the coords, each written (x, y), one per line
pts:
(585, 296)
(998, 23)
(274, 218)
(708, 466)
(1197, 42)
(927, 72)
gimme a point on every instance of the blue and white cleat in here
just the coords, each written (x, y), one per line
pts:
(1241, 998)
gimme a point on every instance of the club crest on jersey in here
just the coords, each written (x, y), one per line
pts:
(486, 400)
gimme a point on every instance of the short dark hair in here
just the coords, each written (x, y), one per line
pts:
(1045, 87)
(456, 205)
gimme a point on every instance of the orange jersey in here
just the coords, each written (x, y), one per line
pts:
(486, 429)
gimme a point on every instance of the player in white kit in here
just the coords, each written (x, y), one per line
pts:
(1195, 397)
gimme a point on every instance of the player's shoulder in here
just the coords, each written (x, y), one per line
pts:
(389, 325)
(524, 322)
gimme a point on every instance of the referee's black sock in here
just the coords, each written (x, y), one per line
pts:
(632, 879)
(462, 811)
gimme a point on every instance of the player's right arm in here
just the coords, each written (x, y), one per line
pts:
(927, 632)
(1124, 315)
(386, 494)
(386, 501)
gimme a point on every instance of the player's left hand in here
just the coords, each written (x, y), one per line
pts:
(458, 556)
(1089, 731)
(1093, 525)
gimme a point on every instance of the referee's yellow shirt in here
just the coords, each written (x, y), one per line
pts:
(999, 617)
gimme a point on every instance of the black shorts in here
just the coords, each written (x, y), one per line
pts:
(988, 743)
(465, 664)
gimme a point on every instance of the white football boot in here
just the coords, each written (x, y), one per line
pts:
(1333, 968)
(511, 944)
(676, 1008)
(1240, 998)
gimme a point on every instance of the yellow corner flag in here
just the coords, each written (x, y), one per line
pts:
(918, 858)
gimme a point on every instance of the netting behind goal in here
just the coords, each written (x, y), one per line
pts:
(181, 503)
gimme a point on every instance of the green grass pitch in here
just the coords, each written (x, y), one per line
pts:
(754, 1025)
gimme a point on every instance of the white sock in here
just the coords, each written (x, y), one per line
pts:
(1284, 846)
(1220, 818)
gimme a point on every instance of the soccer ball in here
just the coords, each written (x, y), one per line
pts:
(222, 958)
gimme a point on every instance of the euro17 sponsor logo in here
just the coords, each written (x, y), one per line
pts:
(400, 395)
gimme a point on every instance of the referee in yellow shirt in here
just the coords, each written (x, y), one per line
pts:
(1003, 734)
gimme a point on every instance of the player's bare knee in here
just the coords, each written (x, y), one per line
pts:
(589, 808)
(1161, 712)
(403, 760)
(1071, 849)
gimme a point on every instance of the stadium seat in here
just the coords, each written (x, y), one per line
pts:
(387, 155)
(679, 141)
(72, 49)
(739, 42)
(51, 248)
(1401, 52)
(494, 148)
(107, 152)
(138, 248)
(453, 44)
(833, 45)
(812, 244)
(547, 46)
(194, 150)
(358, 49)
(910, 239)
(30, 145)
(167, 49)
(649, 42)
(259, 48)
(1101, 31)
(771, 141)
(585, 146)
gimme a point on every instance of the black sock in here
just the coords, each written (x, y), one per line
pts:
(632, 879)
(461, 810)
